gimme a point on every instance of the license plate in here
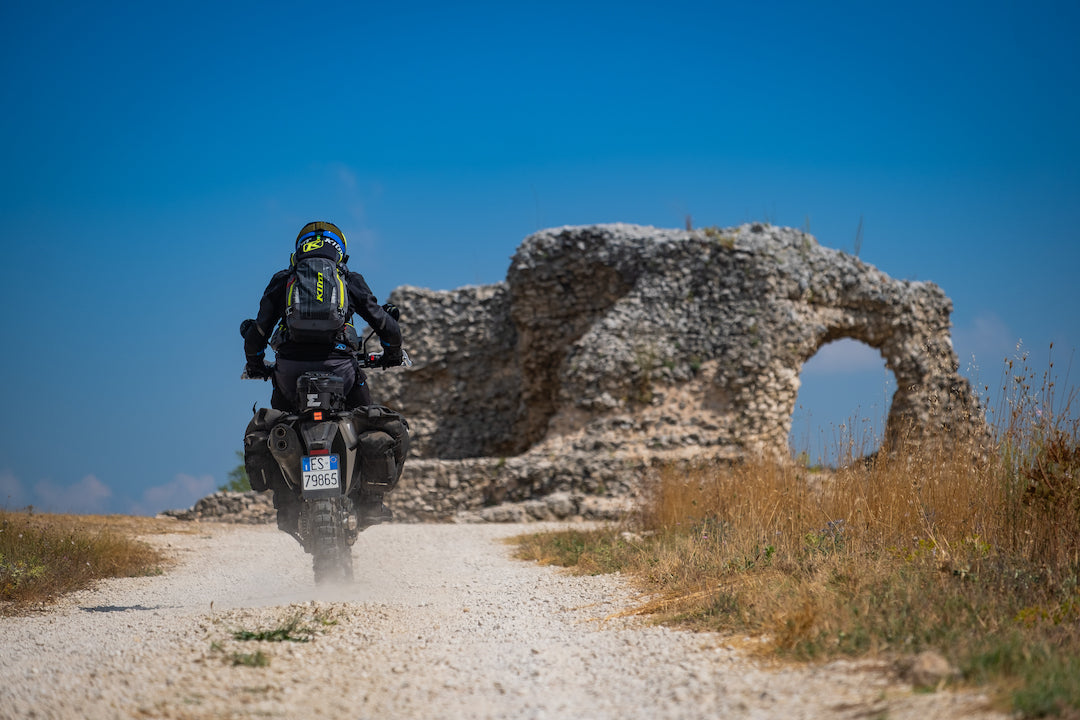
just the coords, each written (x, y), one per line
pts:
(320, 472)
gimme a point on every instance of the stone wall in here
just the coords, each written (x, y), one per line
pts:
(231, 507)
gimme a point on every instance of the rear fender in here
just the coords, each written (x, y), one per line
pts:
(335, 436)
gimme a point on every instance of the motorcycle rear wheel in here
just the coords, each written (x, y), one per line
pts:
(331, 554)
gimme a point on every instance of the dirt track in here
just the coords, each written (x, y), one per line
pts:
(440, 623)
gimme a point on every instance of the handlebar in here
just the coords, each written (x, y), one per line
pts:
(366, 361)
(372, 360)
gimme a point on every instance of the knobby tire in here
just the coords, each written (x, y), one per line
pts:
(330, 549)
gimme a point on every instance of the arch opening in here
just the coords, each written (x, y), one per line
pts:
(845, 393)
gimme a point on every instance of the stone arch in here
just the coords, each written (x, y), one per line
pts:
(931, 399)
(830, 438)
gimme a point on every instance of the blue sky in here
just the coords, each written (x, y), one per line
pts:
(158, 160)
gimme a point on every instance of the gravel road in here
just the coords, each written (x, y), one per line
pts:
(441, 623)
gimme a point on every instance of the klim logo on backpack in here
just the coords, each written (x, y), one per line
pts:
(316, 301)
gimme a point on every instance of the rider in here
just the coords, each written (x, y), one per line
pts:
(292, 359)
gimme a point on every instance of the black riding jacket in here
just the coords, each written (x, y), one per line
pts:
(272, 311)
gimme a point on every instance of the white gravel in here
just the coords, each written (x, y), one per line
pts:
(440, 623)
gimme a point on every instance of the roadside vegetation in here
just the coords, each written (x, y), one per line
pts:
(45, 556)
(972, 551)
(237, 479)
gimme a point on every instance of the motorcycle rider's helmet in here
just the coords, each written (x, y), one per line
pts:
(323, 235)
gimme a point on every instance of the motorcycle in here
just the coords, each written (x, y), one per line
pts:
(322, 459)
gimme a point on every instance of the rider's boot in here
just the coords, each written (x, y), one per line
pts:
(370, 510)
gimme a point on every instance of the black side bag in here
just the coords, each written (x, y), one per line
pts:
(263, 471)
(384, 444)
(378, 464)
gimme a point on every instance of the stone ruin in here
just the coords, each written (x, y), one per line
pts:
(610, 349)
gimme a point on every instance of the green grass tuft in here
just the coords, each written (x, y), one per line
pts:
(291, 630)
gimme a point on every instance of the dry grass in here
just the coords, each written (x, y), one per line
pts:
(972, 551)
(44, 556)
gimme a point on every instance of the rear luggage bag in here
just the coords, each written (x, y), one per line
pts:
(383, 437)
(263, 470)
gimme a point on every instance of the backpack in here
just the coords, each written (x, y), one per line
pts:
(316, 299)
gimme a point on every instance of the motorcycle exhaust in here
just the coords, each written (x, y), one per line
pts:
(285, 447)
(280, 437)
